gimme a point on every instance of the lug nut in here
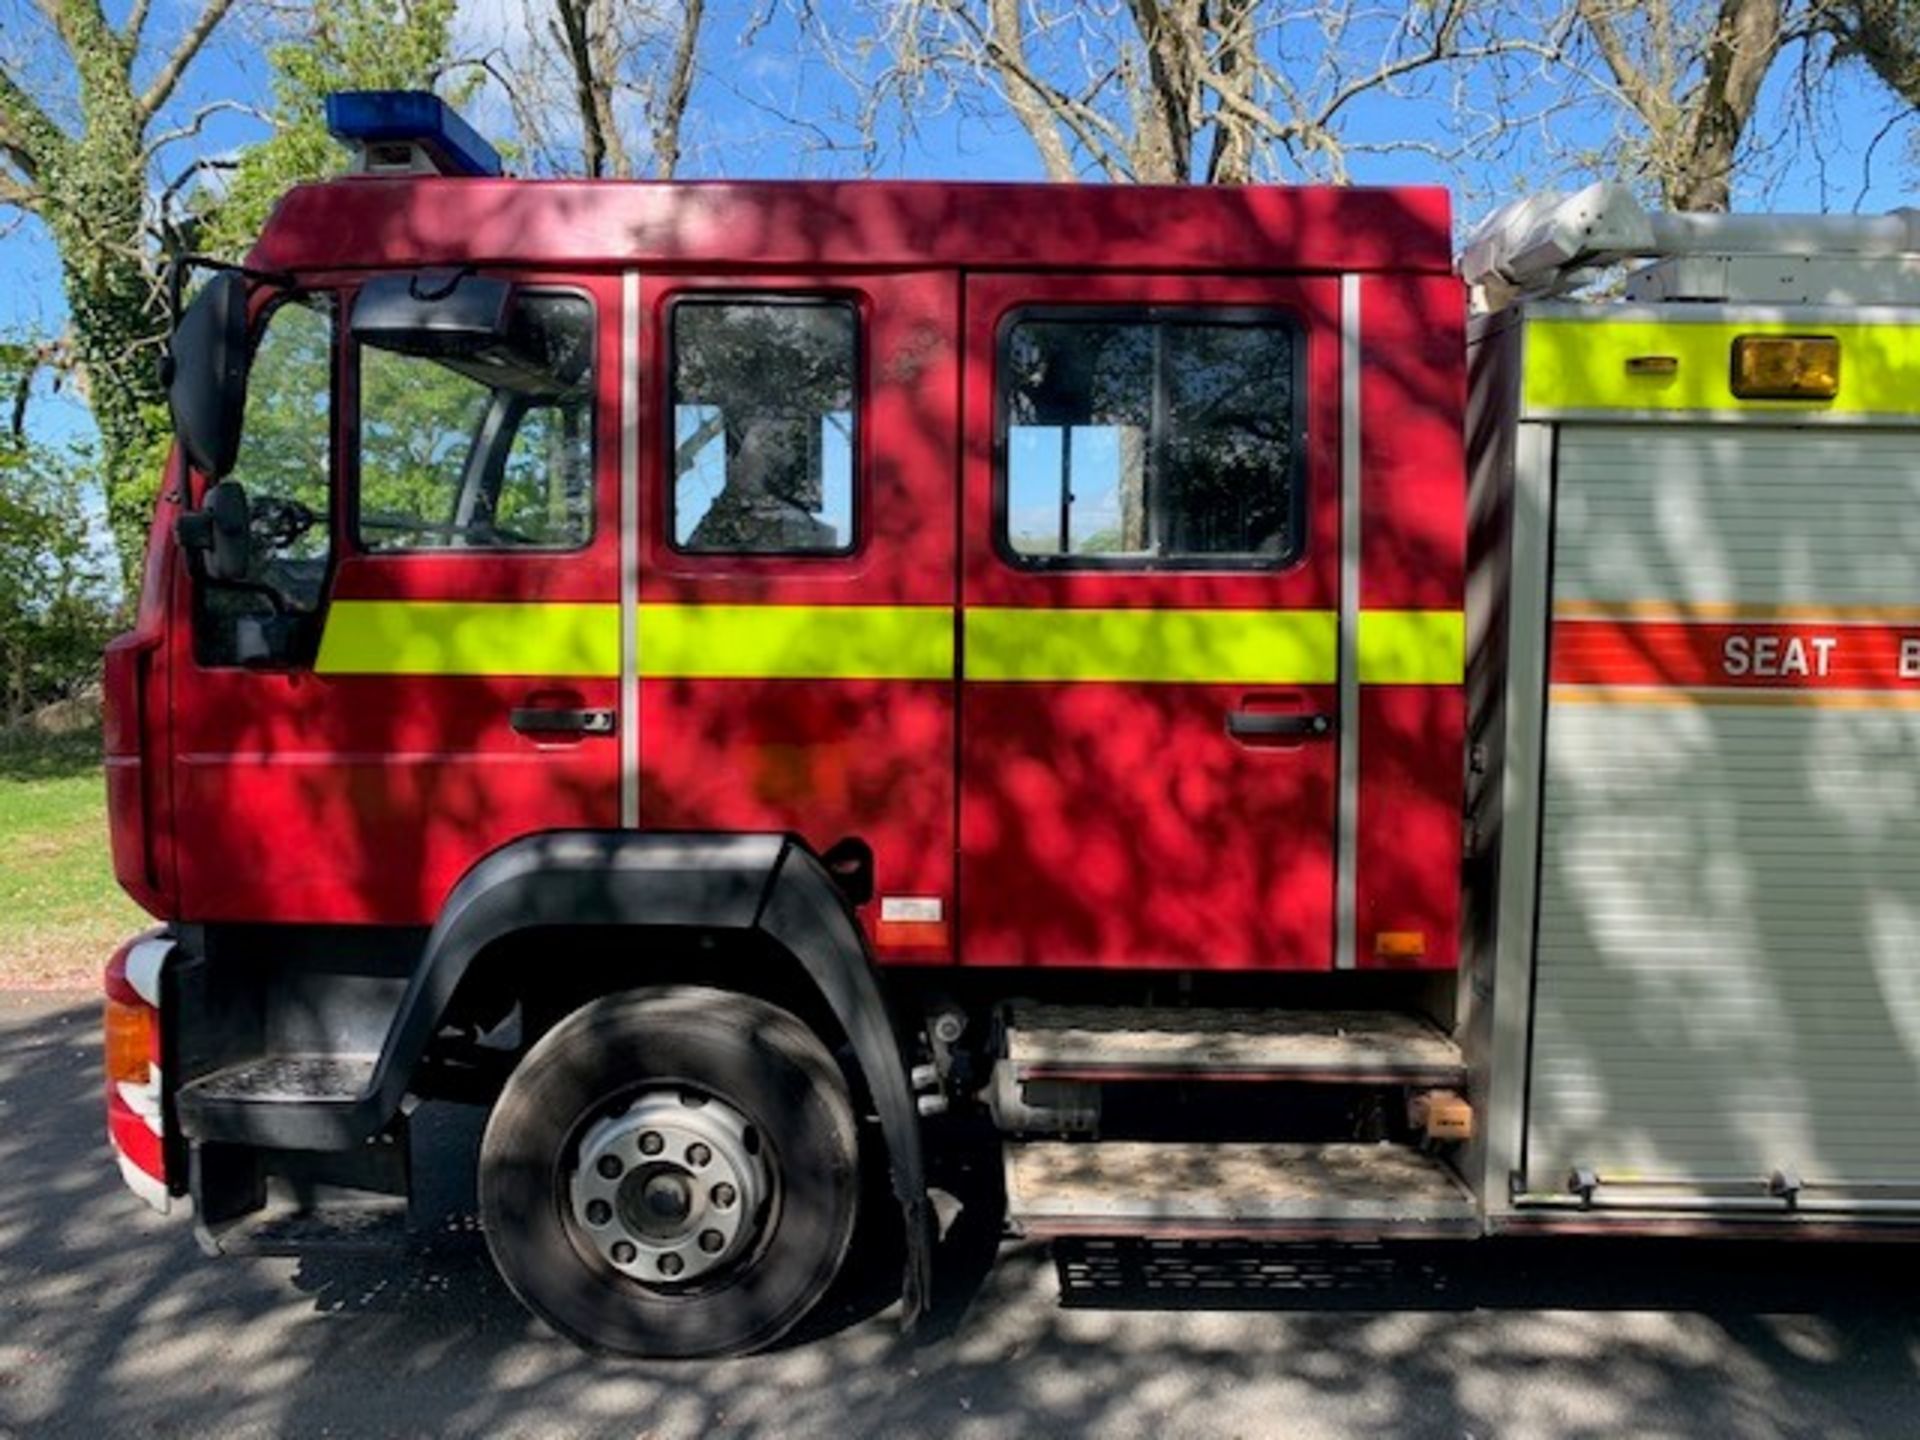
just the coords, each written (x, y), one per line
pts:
(671, 1265)
(609, 1167)
(698, 1155)
(722, 1196)
(651, 1143)
(711, 1241)
(624, 1252)
(599, 1212)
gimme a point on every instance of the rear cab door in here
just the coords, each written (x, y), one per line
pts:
(1151, 585)
(797, 575)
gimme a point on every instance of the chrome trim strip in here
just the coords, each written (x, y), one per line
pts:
(630, 550)
(1347, 817)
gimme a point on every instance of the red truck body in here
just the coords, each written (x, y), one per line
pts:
(693, 666)
(1057, 813)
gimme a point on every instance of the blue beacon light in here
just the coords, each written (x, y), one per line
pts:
(407, 132)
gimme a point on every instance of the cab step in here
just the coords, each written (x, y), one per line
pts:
(1101, 1044)
(299, 1101)
(1178, 1190)
(286, 1078)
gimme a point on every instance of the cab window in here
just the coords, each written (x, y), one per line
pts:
(285, 466)
(481, 449)
(763, 439)
(1147, 439)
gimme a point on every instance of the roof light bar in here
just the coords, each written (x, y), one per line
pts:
(407, 132)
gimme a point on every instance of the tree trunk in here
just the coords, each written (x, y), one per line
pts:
(1746, 38)
(93, 208)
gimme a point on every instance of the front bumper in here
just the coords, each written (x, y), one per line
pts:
(136, 1123)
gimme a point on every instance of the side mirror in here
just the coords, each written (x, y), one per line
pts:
(220, 533)
(206, 375)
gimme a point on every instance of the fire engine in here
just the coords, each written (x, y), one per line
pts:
(1295, 736)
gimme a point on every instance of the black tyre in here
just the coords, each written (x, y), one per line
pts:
(672, 1173)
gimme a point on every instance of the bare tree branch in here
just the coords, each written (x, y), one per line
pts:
(593, 91)
(190, 129)
(183, 55)
(666, 117)
(136, 22)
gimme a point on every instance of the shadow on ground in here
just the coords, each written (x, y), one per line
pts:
(111, 1323)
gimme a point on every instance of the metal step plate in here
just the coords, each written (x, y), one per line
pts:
(1276, 1190)
(1357, 1047)
(287, 1079)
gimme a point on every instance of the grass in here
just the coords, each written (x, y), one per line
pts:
(61, 914)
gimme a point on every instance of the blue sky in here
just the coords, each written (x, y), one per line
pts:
(736, 129)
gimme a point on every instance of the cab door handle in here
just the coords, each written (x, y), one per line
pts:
(541, 720)
(1274, 725)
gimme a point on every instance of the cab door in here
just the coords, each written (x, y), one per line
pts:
(425, 664)
(1151, 577)
(797, 574)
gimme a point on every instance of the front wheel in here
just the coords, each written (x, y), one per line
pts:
(672, 1173)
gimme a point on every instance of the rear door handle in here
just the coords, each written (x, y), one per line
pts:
(1272, 725)
(540, 720)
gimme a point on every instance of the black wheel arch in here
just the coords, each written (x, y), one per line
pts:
(772, 884)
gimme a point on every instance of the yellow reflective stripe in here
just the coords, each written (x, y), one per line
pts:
(797, 642)
(460, 637)
(1412, 647)
(1233, 647)
(1582, 365)
(886, 642)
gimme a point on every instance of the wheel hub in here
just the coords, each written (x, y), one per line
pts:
(672, 1188)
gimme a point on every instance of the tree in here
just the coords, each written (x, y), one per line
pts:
(1169, 91)
(79, 136)
(1687, 81)
(346, 45)
(605, 65)
(83, 142)
(55, 610)
(1884, 35)
(1691, 76)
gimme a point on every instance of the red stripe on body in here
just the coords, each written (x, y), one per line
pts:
(134, 1138)
(1739, 655)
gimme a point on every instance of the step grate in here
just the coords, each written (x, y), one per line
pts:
(1130, 1187)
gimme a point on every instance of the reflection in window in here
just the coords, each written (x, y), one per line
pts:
(285, 466)
(286, 442)
(1150, 439)
(482, 448)
(763, 426)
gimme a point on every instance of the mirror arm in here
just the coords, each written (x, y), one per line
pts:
(182, 266)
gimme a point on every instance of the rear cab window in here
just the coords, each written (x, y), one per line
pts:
(764, 434)
(1150, 439)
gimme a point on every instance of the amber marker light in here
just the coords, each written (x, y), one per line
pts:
(129, 1042)
(1786, 367)
(1400, 944)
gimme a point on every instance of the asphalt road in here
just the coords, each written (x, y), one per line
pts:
(112, 1323)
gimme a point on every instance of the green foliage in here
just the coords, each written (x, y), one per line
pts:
(349, 45)
(56, 609)
(417, 424)
(286, 438)
(421, 421)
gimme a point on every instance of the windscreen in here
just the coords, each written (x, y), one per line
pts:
(487, 447)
